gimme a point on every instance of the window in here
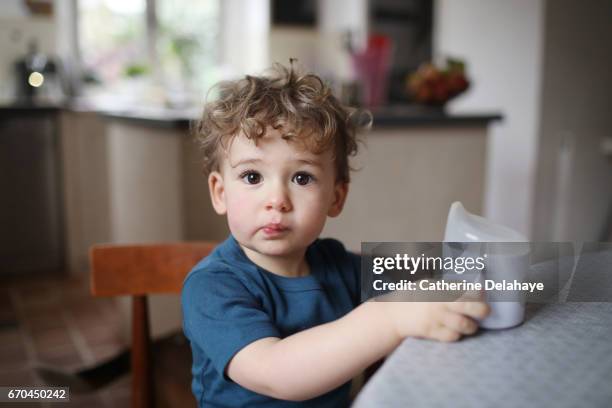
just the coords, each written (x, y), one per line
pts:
(160, 51)
(112, 38)
(187, 43)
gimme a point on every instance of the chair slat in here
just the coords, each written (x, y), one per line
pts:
(118, 269)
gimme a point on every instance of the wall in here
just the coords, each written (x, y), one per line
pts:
(335, 18)
(502, 42)
(321, 48)
(245, 25)
(294, 42)
(546, 66)
(574, 183)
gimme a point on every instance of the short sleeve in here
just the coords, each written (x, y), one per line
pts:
(221, 316)
(356, 268)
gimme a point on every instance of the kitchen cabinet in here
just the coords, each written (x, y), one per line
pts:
(32, 238)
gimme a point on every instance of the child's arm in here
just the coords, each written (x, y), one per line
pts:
(312, 362)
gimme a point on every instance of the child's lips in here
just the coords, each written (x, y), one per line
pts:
(274, 229)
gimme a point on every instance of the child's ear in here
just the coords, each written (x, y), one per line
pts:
(217, 192)
(340, 192)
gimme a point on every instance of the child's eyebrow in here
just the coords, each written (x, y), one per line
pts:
(312, 162)
(245, 161)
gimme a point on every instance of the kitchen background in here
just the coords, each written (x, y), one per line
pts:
(528, 144)
(544, 65)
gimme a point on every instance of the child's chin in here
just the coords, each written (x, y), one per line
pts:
(277, 248)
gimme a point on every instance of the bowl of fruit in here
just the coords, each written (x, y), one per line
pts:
(434, 86)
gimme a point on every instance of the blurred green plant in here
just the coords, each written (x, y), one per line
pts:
(135, 70)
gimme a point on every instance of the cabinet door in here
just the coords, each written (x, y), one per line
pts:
(30, 212)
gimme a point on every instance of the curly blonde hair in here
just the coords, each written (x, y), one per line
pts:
(301, 107)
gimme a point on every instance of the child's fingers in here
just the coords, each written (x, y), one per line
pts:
(476, 310)
(472, 296)
(445, 334)
(459, 323)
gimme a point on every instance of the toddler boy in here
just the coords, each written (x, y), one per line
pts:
(273, 314)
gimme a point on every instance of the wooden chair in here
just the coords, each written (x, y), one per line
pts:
(139, 270)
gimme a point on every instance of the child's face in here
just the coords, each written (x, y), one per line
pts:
(276, 196)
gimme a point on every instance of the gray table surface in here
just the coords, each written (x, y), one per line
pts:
(561, 356)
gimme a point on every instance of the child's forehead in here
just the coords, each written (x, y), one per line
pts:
(272, 147)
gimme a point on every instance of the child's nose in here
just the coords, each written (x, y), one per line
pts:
(278, 199)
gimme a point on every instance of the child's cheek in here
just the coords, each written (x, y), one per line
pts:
(239, 213)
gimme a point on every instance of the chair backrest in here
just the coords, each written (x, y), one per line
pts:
(139, 270)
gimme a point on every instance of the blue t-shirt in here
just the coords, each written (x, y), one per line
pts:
(229, 302)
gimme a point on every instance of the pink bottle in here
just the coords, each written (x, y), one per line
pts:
(372, 70)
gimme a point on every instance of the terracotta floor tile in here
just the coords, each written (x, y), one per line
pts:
(122, 401)
(50, 354)
(87, 312)
(118, 394)
(76, 295)
(122, 386)
(52, 338)
(76, 284)
(8, 319)
(10, 337)
(42, 323)
(106, 351)
(13, 358)
(107, 307)
(86, 401)
(11, 341)
(77, 304)
(112, 321)
(36, 290)
(16, 377)
(22, 405)
(37, 304)
(39, 311)
(111, 310)
(68, 362)
(84, 324)
(102, 335)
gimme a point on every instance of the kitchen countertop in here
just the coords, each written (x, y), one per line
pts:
(387, 117)
(6, 110)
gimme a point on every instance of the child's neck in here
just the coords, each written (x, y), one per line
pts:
(288, 266)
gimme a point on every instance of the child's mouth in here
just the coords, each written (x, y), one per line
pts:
(274, 229)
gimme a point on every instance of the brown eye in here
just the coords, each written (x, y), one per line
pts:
(251, 177)
(302, 179)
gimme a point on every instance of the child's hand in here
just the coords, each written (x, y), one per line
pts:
(444, 321)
